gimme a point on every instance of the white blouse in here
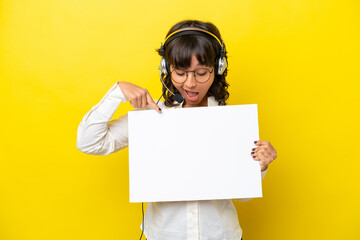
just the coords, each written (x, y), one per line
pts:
(209, 219)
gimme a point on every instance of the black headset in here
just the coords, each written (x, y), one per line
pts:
(220, 63)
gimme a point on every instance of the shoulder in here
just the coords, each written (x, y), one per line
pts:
(212, 101)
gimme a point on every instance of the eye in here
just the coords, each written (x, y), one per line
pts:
(201, 72)
(180, 72)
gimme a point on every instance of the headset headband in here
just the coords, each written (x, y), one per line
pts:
(191, 31)
(188, 31)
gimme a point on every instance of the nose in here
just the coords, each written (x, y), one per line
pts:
(190, 81)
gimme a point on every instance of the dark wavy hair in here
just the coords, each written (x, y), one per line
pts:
(179, 53)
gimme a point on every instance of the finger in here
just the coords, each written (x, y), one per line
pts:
(143, 100)
(256, 149)
(133, 101)
(260, 155)
(151, 102)
(255, 156)
(261, 143)
(137, 101)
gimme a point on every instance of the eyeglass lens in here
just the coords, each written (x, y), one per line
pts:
(201, 75)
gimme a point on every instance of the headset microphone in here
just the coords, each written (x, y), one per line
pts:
(178, 97)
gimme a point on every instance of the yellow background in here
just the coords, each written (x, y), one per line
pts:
(298, 60)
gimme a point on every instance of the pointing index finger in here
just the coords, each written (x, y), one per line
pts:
(152, 103)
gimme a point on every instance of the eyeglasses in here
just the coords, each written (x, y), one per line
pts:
(201, 75)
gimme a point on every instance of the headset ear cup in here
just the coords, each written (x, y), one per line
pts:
(222, 62)
(222, 65)
(163, 66)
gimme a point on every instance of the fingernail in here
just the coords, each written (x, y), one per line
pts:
(253, 149)
(255, 142)
(254, 156)
(252, 152)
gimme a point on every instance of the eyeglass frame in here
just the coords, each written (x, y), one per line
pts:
(188, 74)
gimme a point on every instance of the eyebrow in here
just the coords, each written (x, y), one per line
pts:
(201, 65)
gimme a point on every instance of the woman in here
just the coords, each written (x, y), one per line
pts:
(193, 72)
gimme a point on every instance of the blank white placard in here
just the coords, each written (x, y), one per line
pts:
(198, 153)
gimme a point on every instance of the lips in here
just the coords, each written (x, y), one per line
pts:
(191, 96)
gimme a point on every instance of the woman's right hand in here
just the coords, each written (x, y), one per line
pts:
(137, 96)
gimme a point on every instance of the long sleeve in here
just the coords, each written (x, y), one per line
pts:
(96, 134)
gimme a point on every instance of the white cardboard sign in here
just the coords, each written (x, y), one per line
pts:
(198, 153)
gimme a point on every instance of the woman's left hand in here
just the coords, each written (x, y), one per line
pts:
(265, 153)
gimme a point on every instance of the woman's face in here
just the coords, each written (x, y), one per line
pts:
(194, 93)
